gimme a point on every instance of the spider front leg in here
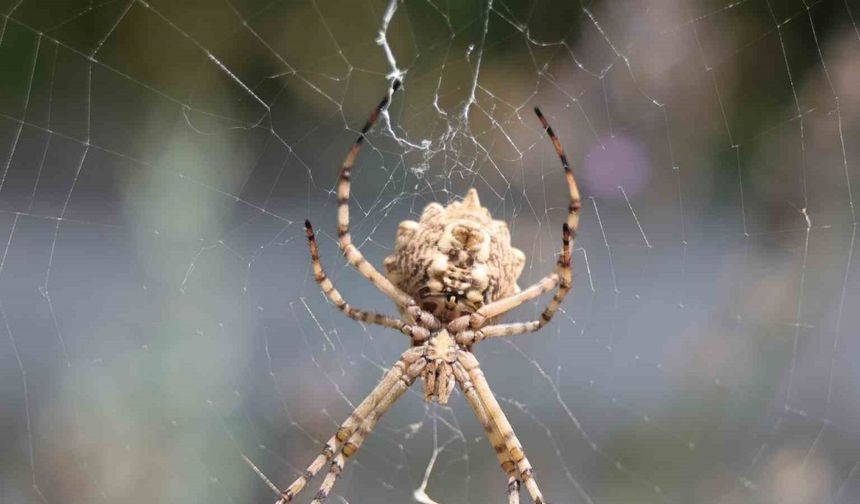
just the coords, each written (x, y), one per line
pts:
(352, 254)
(498, 418)
(365, 410)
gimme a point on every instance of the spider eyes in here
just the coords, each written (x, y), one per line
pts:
(454, 256)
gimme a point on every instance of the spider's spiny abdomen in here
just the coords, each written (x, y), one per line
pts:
(455, 258)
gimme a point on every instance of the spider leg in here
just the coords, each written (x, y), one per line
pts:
(570, 227)
(357, 438)
(471, 337)
(364, 410)
(575, 203)
(493, 434)
(496, 308)
(335, 297)
(497, 416)
(352, 254)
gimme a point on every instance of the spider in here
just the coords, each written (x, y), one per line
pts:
(452, 275)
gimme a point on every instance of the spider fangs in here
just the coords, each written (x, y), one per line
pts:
(452, 275)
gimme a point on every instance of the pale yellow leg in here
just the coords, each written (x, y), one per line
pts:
(357, 438)
(335, 297)
(493, 434)
(353, 256)
(497, 416)
(496, 308)
(367, 408)
(471, 337)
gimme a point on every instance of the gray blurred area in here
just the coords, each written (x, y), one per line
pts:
(162, 332)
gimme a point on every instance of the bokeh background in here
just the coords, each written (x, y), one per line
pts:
(161, 331)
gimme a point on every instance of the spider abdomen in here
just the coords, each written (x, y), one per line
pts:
(455, 259)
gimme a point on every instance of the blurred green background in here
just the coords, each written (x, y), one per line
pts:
(162, 327)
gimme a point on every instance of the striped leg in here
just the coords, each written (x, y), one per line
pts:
(358, 437)
(492, 431)
(471, 337)
(549, 282)
(365, 410)
(497, 416)
(496, 308)
(334, 296)
(352, 254)
(568, 230)
(575, 204)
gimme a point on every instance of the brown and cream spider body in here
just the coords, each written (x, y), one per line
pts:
(455, 259)
(452, 275)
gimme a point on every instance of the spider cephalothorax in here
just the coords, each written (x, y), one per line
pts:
(455, 258)
(452, 275)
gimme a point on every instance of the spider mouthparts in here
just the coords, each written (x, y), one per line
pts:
(452, 302)
(395, 85)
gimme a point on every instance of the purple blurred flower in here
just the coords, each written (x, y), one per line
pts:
(612, 162)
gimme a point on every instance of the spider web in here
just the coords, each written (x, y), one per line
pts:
(165, 340)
